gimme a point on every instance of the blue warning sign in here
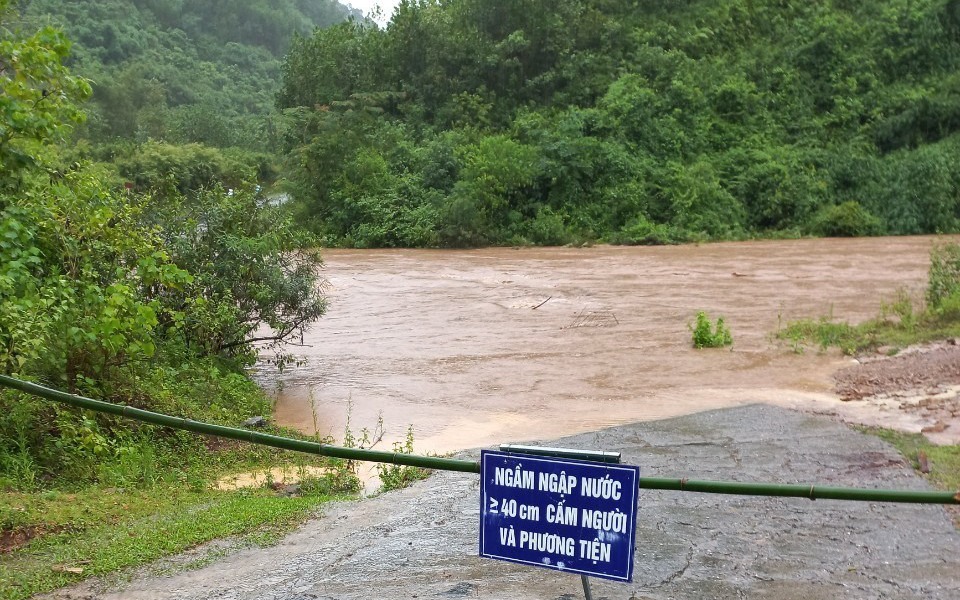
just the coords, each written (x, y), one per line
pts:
(558, 513)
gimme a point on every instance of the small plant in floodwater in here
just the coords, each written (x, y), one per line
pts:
(394, 477)
(366, 440)
(706, 335)
(313, 413)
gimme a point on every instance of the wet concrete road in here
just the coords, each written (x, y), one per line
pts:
(422, 542)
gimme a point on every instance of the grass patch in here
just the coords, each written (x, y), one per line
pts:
(941, 462)
(902, 322)
(87, 494)
(898, 325)
(101, 530)
(825, 333)
(131, 529)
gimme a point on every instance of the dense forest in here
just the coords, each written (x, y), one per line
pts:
(182, 91)
(472, 122)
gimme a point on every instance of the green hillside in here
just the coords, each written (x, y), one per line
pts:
(182, 71)
(477, 122)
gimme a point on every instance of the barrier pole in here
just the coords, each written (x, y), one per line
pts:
(810, 491)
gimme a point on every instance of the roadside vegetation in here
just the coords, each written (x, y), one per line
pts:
(395, 477)
(58, 534)
(940, 465)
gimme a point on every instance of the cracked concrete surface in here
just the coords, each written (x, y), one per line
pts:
(422, 542)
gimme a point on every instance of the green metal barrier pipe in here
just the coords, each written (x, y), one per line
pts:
(812, 492)
(246, 435)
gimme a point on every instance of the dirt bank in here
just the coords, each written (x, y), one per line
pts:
(422, 542)
(916, 390)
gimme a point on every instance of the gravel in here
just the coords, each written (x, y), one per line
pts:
(924, 367)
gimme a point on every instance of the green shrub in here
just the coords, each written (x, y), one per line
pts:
(705, 335)
(949, 309)
(548, 229)
(846, 220)
(943, 289)
(189, 167)
(395, 477)
(642, 232)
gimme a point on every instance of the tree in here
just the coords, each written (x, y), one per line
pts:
(38, 94)
(254, 276)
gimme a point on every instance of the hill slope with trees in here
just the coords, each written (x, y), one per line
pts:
(476, 122)
(179, 71)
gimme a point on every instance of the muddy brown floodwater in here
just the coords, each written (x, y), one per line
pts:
(481, 347)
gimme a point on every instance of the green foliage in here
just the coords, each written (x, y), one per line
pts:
(78, 268)
(708, 335)
(548, 229)
(37, 94)
(251, 268)
(183, 72)
(549, 122)
(187, 167)
(395, 477)
(495, 174)
(903, 308)
(845, 220)
(641, 232)
(943, 287)
(146, 300)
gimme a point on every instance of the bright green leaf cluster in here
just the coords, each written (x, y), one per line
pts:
(706, 335)
(37, 94)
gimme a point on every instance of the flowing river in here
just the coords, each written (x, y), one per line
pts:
(481, 347)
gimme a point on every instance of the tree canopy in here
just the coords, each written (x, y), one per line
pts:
(554, 121)
(181, 72)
